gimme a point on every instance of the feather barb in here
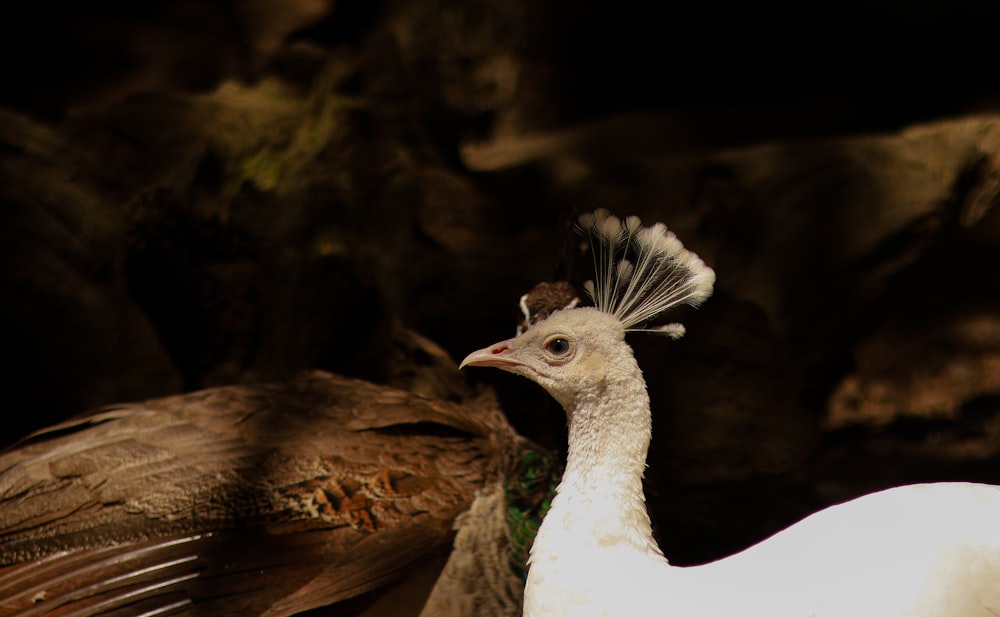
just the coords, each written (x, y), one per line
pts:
(640, 272)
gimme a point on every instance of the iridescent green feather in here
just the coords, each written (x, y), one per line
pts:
(529, 492)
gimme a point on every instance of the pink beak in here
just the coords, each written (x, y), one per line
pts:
(499, 355)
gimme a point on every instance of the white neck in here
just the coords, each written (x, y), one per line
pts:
(598, 517)
(608, 440)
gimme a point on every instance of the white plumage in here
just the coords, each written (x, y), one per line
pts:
(930, 550)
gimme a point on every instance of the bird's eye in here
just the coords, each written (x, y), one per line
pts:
(557, 346)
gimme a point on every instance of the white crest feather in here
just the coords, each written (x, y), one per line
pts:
(642, 271)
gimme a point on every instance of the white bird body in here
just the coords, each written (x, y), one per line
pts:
(929, 550)
(912, 551)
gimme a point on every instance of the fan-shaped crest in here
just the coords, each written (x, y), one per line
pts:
(642, 271)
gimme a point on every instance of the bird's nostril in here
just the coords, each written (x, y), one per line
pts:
(499, 350)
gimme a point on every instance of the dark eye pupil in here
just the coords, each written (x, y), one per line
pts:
(558, 346)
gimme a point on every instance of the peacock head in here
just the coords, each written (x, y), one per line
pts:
(567, 353)
(640, 273)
